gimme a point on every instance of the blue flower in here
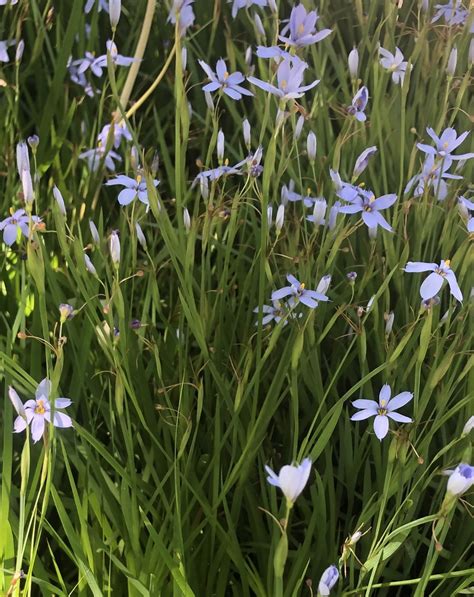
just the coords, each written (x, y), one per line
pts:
(289, 79)
(359, 104)
(460, 479)
(328, 579)
(221, 79)
(119, 132)
(183, 11)
(102, 5)
(95, 156)
(435, 280)
(299, 294)
(453, 13)
(432, 175)
(382, 410)
(18, 221)
(395, 64)
(134, 187)
(447, 142)
(366, 202)
(302, 28)
(238, 4)
(274, 312)
(37, 412)
(4, 49)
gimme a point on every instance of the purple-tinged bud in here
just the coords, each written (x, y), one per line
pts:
(59, 200)
(140, 236)
(362, 161)
(259, 25)
(184, 58)
(247, 133)
(115, 8)
(324, 284)
(311, 145)
(33, 142)
(298, 127)
(19, 51)
(22, 157)
(187, 219)
(94, 232)
(27, 185)
(460, 480)
(66, 311)
(328, 579)
(336, 179)
(319, 211)
(114, 247)
(209, 102)
(220, 147)
(204, 187)
(389, 319)
(351, 276)
(135, 324)
(332, 220)
(89, 265)
(353, 62)
(280, 218)
(452, 62)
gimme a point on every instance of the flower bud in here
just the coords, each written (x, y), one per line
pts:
(140, 236)
(247, 133)
(362, 161)
(323, 285)
(115, 7)
(469, 426)
(298, 127)
(280, 218)
(19, 51)
(33, 142)
(272, 5)
(94, 232)
(460, 480)
(184, 58)
(353, 61)
(248, 56)
(204, 187)
(351, 276)
(187, 219)
(135, 324)
(22, 157)
(27, 185)
(269, 216)
(66, 311)
(319, 211)
(470, 58)
(59, 200)
(155, 164)
(389, 319)
(452, 61)
(332, 220)
(209, 102)
(328, 579)
(220, 147)
(259, 25)
(311, 145)
(114, 247)
(89, 265)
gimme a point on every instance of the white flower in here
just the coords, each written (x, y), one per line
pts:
(291, 479)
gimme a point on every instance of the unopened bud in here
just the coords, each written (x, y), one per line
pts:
(247, 133)
(280, 218)
(115, 7)
(220, 147)
(452, 61)
(353, 62)
(19, 51)
(259, 25)
(187, 220)
(114, 247)
(298, 127)
(59, 200)
(140, 236)
(311, 145)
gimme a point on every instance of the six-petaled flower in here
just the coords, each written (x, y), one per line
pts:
(17, 222)
(435, 280)
(298, 293)
(134, 187)
(229, 83)
(291, 479)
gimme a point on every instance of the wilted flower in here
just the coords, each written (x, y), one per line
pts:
(251, 164)
(382, 410)
(328, 579)
(299, 294)
(118, 132)
(359, 103)
(394, 63)
(18, 221)
(221, 79)
(33, 142)
(37, 412)
(301, 28)
(460, 479)
(435, 280)
(389, 319)
(289, 79)
(291, 479)
(351, 276)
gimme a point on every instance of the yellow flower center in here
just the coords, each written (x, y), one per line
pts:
(301, 28)
(226, 74)
(139, 178)
(447, 262)
(302, 286)
(283, 84)
(382, 411)
(40, 409)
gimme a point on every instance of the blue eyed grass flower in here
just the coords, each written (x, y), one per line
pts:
(17, 223)
(4, 45)
(37, 412)
(117, 131)
(182, 11)
(229, 83)
(328, 580)
(238, 4)
(433, 176)
(274, 312)
(299, 294)
(368, 205)
(66, 311)
(446, 143)
(382, 410)
(433, 283)
(453, 13)
(291, 479)
(359, 104)
(134, 188)
(95, 156)
(289, 80)
(319, 212)
(394, 63)
(301, 28)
